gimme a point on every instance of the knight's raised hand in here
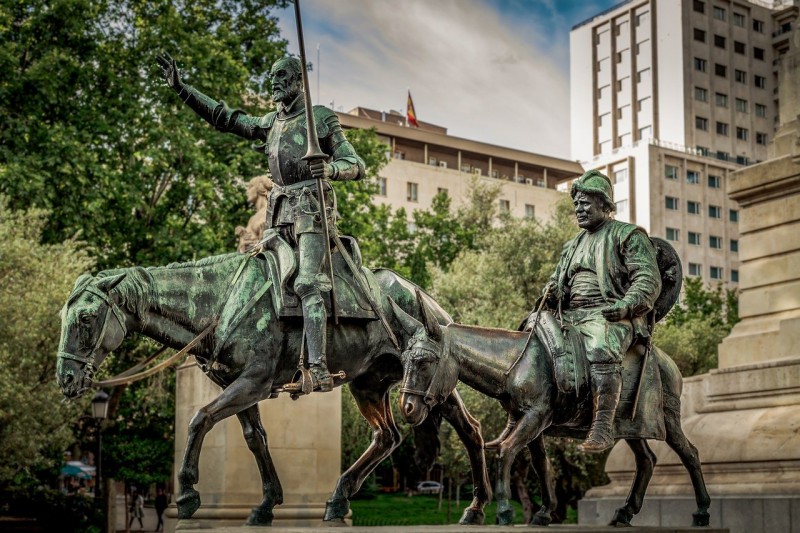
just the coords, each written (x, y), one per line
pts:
(169, 69)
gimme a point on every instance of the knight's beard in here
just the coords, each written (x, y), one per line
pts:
(285, 96)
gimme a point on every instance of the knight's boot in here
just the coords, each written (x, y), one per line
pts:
(606, 387)
(495, 444)
(315, 320)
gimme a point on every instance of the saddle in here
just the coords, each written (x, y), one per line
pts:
(280, 263)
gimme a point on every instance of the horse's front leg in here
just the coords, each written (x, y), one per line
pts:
(256, 439)
(529, 426)
(238, 396)
(372, 398)
(541, 465)
(469, 431)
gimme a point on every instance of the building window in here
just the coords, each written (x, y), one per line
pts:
(734, 276)
(720, 70)
(722, 128)
(381, 186)
(603, 91)
(700, 94)
(760, 81)
(734, 245)
(738, 47)
(694, 238)
(740, 75)
(645, 132)
(442, 190)
(761, 110)
(530, 211)
(693, 177)
(673, 234)
(719, 13)
(721, 99)
(741, 105)
(671, 203)
(699, 7)
(761, 138)
(699, 35)
(621, 175)
(701, 123)
(714, 211)
(643, 76)
(505, 206)
(642, 18)
(742, 160)
(411, 191)
(700, 64)
(738, 20)
(719, 41)
(715, 272)
(733, 215)
(695, 269)
(702, 150)
(742, 133)
(671, 172)
(715, 182)
(693, 207)
(758, 53)
(723, 156)
(758, 26)
(432, 161)
(715, 242)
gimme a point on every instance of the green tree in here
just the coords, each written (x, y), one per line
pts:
(35, 279)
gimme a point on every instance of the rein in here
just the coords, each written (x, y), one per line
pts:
(428, 397)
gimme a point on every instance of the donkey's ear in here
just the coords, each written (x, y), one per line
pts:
(428, 318)
(106, 284)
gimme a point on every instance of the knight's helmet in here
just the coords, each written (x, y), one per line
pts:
(594, 182)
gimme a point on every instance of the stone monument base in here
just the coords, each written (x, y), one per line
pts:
(210, 518)
(559, 528)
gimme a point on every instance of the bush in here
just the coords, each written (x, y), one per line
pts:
(56, 511)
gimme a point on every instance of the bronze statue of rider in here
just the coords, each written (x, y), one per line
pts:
(294, 206)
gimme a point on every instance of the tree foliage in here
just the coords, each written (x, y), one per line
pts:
(35, 279)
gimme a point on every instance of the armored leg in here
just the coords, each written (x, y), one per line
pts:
(606, 387)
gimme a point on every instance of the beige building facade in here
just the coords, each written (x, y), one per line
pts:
(426, 160)
(671, 96)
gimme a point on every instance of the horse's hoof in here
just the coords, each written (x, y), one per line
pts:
(336, 522)
(622, 518)
(541, 519)
(700, 519)
(472, 517)
(260, 517)
(336, 510)
(188, 503)
(505, 515)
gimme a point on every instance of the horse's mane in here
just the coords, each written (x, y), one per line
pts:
(206, 261)
(136, 291)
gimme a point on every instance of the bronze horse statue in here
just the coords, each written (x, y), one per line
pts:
(488, 360)
(251, 358)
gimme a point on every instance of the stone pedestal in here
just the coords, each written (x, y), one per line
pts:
(304, 439)
(744, 417)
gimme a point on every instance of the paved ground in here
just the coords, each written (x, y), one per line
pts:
(149, 521)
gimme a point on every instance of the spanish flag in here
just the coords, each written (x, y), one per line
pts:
(411, 115)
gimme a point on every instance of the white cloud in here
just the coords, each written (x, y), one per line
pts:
(468, 69)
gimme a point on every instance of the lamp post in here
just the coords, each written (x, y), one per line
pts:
(99, 413)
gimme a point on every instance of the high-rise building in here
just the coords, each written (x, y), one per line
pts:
(668, 97)
(425, 160)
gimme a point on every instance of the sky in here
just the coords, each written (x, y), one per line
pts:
(495, 71)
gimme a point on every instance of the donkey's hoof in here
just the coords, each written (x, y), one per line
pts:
(188, 503)
(505, 514)
(260, 517)
(700, 519)
(541, 519)
(622, 518)
(336, 510)
(336, 522)
(472, 517)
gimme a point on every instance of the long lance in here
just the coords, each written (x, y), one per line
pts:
(315, 153)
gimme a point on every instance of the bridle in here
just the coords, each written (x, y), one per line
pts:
(432, 350)
(88, 361)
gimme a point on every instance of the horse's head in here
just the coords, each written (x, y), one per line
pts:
(88, 332)
(428, 378)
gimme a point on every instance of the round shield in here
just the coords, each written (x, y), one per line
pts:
(669, 265)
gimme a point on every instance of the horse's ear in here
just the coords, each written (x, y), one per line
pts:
(106, 284)
(428, 319)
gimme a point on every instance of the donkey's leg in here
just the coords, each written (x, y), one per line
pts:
(372, 397)
(541, 465)
(256, 439)
(687, 452)
(645, 464)
(237, 397)
(469, 431)
(529, 426)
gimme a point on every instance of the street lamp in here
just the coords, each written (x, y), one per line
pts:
(99, 413)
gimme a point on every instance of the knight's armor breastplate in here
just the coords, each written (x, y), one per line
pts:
(286, 146)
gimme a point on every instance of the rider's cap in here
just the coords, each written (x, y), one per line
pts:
(594, 182)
